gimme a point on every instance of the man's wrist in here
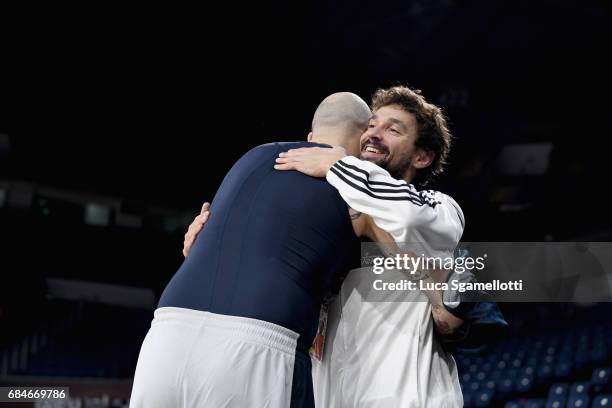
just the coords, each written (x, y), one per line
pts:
(446, 322)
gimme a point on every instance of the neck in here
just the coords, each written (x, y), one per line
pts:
(409, 175)
(332, 140)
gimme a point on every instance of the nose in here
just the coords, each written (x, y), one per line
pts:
(373, 133)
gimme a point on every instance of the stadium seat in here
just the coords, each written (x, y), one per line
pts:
(602, 401)
(578, 401)
(555, 402)
(524, 383)
(558, 390)
(505, 386)
(483, 399)
(601, 376)
(579, 388)
(545, 373)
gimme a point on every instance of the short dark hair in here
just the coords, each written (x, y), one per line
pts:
(433, 133)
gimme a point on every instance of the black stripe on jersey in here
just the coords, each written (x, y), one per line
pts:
(400, 186)
(403, 187)
(415, 197)
(367, 183)
(335, 169)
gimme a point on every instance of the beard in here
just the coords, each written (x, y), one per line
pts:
(396, 168)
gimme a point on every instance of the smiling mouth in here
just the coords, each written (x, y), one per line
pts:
(372, 149)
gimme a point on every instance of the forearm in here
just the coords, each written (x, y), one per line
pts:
(445, 322)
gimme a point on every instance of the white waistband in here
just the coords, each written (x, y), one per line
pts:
(259, 331)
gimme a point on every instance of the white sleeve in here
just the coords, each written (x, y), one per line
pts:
(396, 206)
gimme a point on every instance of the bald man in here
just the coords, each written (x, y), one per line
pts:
(234, 324)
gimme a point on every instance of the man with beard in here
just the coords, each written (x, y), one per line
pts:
(384, 353)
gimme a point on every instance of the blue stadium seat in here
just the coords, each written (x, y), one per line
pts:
(524, 383)
(489, 385)
(505, 386)
(602, 401)
(474, 386)
(555, 402)
(483, 399)
(558, 390)
(579, 388)
(549, 359)
(601, 376)
(545, 373)
(516, 363)
(578, 401)
(502, 365)
(527, 369)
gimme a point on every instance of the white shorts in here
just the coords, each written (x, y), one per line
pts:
(191, 358)
(382, 354)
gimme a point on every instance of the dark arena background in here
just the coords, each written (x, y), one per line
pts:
(124, 121)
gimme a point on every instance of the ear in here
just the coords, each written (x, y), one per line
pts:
(423, 158)
(309, 138)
